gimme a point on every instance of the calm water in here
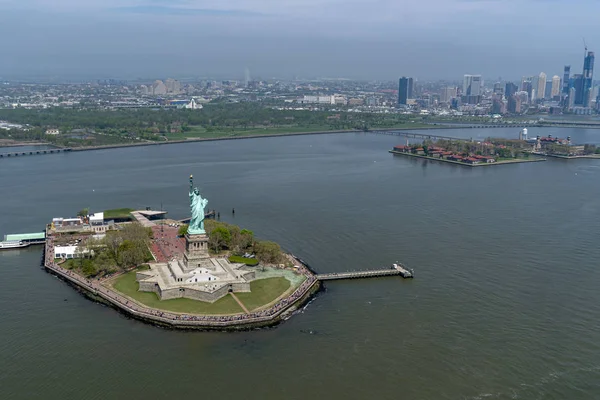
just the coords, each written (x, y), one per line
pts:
(505, 304)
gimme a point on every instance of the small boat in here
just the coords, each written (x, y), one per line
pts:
(12, 244)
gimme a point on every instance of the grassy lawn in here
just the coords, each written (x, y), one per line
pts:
(263, 291)
(118, 213)
(239, 259)
(127, 285)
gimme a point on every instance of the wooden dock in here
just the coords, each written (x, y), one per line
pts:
(397, 269)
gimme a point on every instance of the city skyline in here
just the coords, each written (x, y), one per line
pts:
(130, 39)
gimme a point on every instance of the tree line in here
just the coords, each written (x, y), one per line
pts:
(237, 241)
(117, 251)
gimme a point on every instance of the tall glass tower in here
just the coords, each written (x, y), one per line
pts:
(566, 79)
(403, 88)
(588, 74)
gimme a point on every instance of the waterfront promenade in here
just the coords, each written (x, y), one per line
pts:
(266, 317)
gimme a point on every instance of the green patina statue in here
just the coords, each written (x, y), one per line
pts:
(197, 204)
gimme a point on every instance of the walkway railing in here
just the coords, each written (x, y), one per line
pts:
(177, 320)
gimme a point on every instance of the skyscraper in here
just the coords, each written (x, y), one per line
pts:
(510, 89)
(527, 86)
(472, 85)
(588, 74)
(514, 104)
(578, 86)
(246, 77)
(472, 89)
(411, 88)
(572, 96)
(548, 90)
(555, 86)
(566, 80)
(404, 88)
(498, 89)
(541, 86)
(447, 94)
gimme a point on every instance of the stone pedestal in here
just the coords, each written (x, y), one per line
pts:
(196, 251)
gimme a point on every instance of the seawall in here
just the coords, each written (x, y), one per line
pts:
(94, 290)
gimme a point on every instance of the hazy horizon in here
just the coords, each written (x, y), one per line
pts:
(376, 40)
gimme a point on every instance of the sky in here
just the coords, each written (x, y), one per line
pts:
(371, 40)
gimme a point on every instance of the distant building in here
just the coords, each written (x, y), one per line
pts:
(548, 90)
(498, 89)
(527, 86)
(510, 89)
(514, 104)
(541, 86)
(447, 94)
(498, 106)
(555, 90)
(566, 80)
(571, 98)
(472, 89)
(588, 74)
(159, 88)
(173, 86)
(578, 85)
(317, 99)
(472, 85)
(523, 96)
(187, 104)
(405, 90)
(52, 131)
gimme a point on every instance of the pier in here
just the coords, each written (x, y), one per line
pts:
(35, 152)
(398, 269)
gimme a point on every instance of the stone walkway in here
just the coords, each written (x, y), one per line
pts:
(239, 302)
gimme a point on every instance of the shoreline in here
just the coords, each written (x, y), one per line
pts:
(99, 292)
(588, 156)
(517, 161)
(268, 135)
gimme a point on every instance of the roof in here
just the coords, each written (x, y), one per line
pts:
(151, 213)
(97, 216)
(26, 236)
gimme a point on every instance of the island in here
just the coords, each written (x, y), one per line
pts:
(203, 275)
(496, 151)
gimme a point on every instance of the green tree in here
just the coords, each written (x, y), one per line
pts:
(83, 212)
(182, 231)
(268, 252)
(219, 238)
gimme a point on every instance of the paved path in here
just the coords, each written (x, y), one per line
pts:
(239, 302)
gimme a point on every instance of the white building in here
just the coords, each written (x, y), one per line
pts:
(555, 86)
(173, 86)
(541, 86)
(159, 88)
(67, 252)
(472, 85)
(317, 99)
(52, 131)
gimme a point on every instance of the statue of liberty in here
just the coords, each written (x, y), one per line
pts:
(197, 204)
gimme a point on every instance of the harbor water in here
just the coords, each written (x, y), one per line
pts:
(504, 305)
